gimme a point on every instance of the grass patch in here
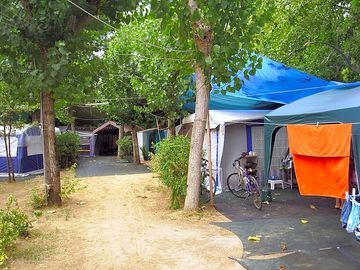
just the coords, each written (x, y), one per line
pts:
(37, 246)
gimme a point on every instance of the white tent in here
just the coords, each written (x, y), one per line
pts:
(26, 151)
(229, 138)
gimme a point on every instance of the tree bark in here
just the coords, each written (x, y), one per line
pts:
(203, 43)
(136, 154)
(171, 128)
(72, 127)
(12, 169)
(7, 154)
(197, 139)
(52, 172)
(121, 135)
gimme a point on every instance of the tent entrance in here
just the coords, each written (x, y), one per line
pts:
(106, 142)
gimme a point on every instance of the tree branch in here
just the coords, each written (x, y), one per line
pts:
(85, 18)
(28, 8)
(342, 54)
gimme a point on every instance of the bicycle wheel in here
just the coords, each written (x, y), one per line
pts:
(255, 192)
(236, 186)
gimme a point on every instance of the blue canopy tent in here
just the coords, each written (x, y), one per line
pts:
(26, 151)
(333, 106)
(272, 85)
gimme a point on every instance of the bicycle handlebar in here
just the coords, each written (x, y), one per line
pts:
(243, 154)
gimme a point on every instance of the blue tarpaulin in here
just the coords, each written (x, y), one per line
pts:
(272, 85)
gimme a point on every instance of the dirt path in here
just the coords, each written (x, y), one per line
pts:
(122, 222)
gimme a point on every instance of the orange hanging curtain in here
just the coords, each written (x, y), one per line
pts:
(321, 157)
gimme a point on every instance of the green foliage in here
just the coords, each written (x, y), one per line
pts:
(319, 37)
(13, 223)
(38, 213)
(70, 184)
(234, 25)
(37, 198)
(155, 74)
(171, 163)
(125, 144)
(145, 153)
(67, 147)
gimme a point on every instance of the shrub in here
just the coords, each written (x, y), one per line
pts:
(13, 223)
(145, 153)
(70, 183)
(67, 148)
(37, 198)
(171, 163)
(125, 144)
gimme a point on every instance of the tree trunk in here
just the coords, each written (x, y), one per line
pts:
(12, 169)
(72, 123)
(171, 128)
(203, 39)
(197, 139)
(72, 126)
(136, 155)
(121, 135)
(7, 154)
(51, 166)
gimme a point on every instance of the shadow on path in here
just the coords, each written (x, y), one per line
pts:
(105, 166)
(319, 244)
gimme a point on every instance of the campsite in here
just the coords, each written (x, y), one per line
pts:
(154, 134)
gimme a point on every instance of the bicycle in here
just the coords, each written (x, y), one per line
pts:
(205, 183)
(243, 184)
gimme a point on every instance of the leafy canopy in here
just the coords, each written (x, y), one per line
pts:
(320, 37)
(235, 26)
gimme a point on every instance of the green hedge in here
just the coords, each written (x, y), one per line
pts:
(125, 144)
(171, 163)
(67, 148)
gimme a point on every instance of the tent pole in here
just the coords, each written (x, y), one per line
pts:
(158, 127)
(209, 159)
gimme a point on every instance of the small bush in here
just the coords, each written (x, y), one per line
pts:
(125, 144)
(37, 198)
(70, 184)
(145, 153)
(67, 148)
(171, 163)
(13, 223)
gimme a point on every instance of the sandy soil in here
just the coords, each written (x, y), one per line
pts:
(122, 222)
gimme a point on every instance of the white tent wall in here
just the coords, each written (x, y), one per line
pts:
(13, 146)
(140, 136)
(257, 135)
(34, 145)
(26, 151)
(228, 139)
(217, 136)
(280, 149)
(235, 144)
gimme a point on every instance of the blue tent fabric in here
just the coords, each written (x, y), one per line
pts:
(23, 161)
(271, 86)
(233, 101)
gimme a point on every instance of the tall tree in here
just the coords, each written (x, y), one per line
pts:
(160, 77)
(124, 106)
(320, 37)
(220, 36)
(46, 35)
